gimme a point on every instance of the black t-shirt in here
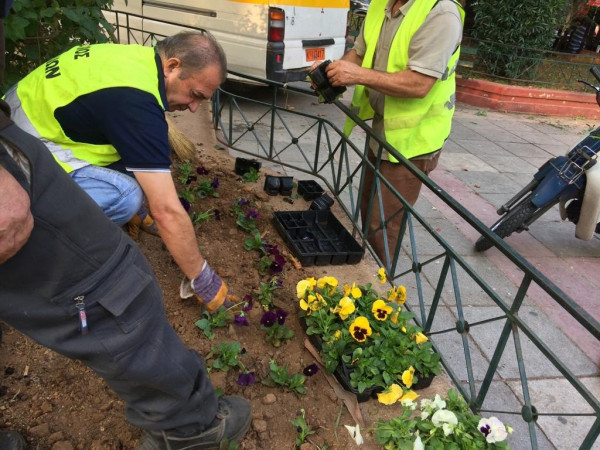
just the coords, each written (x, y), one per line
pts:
(129, 119)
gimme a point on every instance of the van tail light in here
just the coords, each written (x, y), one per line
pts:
(276, 24)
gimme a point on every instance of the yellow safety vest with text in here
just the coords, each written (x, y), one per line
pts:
(413, 126)
(75, 73)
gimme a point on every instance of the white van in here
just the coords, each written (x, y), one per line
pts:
(273, 39)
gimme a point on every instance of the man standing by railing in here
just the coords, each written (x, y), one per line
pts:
(403, 65)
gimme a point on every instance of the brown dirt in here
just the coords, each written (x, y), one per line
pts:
(61, 405)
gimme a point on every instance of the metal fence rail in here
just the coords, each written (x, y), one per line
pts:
(427, 264)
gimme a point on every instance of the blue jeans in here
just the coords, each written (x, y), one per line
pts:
(118, 194)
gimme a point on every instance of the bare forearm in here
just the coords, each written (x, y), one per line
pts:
(405, 83)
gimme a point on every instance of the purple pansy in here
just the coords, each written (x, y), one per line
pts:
(268, 319)
(247, 302)
(281, 315)
(252, 214)
(217, 214)
(215, 183)
(310, 370)
(241, 320)
(201, 170)
(186, 205)
(242, 201)
(246, 379)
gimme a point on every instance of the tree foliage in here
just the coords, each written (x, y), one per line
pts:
(38, 30)
(508, 29)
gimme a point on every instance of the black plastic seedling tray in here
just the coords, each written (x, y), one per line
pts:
(317, 238)
(309, 189)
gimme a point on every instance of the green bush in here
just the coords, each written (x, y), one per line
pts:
(510, 29)
(38, 30)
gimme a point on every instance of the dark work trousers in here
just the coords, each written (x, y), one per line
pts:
(75, 255)
(407, 185)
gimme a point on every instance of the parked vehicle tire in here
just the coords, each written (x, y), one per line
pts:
(513, 221)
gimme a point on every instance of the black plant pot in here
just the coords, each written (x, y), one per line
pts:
(272, 184)
(423, 382)
(286, 185)
(243, 165)
(342, 374)
(309, 189)
(322, 203)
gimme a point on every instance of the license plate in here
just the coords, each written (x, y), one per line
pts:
(314, 54)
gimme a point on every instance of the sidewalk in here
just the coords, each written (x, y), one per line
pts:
(487, 159)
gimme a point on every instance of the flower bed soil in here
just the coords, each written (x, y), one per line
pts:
(60, 404)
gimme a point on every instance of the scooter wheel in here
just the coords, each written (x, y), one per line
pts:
(515, 220)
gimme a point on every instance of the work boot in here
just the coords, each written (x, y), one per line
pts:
(231, 423)
(11, 440)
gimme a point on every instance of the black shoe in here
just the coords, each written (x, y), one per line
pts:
(233, 420)
(11, 440)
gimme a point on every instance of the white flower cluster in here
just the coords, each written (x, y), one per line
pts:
(493, 429)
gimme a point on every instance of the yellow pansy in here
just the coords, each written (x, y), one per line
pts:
(353, 291)
(337, 335)
(304, 305)
(302, 288)
(327, 281)
(420, 338)
(397, 294)
(312, 283)
(391, 395)
(381, 310)
(410, 395)
(403, 329)
(360, 329)
(408, 376)
(344, 308)
(381, 275)
(394, 316)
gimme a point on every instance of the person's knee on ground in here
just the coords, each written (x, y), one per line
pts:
(11, 440)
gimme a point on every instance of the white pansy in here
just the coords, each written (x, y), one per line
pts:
(438, 403)
(425, 402)
(355, 433)
(418, 444)
(493, 429)
(424, 415)
(442, 416)
(408, 404)
(448, 429)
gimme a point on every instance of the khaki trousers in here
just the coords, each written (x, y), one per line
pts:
(407, 185)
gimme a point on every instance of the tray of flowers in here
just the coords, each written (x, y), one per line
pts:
(367, 339)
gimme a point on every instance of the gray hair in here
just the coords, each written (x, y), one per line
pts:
(196, 50)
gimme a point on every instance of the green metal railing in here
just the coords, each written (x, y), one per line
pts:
(525, 66)
(317, 147)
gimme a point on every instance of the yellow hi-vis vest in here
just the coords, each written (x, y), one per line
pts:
(413, 126)
(78, 72)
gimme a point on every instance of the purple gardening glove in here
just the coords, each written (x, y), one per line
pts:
(209, 288)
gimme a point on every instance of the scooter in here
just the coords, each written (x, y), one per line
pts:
(572, 181)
